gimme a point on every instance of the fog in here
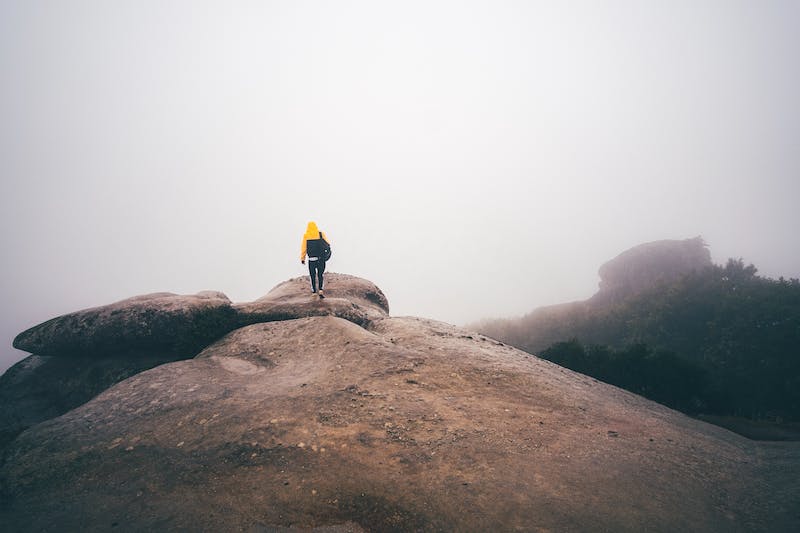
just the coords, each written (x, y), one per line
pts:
(473, 159)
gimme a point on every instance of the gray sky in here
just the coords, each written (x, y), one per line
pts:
(472, 158)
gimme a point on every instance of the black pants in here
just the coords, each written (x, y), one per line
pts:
(316, 269)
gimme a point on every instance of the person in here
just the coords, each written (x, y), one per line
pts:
(314, 242)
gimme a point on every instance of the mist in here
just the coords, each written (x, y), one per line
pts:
(473, 159)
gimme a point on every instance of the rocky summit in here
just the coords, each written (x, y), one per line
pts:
(299, 414)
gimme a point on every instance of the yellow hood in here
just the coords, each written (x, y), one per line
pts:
(312, 232)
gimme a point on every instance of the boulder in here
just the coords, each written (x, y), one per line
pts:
(166, 323)
(348, 297)
(643, 266)
(409, 424)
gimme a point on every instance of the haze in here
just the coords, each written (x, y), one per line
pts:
(473, 159)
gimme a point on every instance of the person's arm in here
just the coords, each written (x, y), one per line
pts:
(303, 251)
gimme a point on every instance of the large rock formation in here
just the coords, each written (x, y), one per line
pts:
(631, 273)
(78, 355)
(645, 265)
(388, 424)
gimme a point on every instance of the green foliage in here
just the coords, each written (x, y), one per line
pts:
(740, 329)
(658, 375)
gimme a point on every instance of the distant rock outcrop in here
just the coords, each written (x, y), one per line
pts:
(376, 423)
(646, 265)
(632, 272)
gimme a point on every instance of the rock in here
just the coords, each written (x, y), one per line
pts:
(632, 272)
(354, 299)
(23, 398)
(405, 425)
(81, 354)
(181, 326)
(166, 323)
(643, 266)
(39, 388)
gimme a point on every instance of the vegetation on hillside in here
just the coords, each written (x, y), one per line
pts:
(659, 375)
(721, 340)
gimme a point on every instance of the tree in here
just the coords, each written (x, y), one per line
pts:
(722, 340)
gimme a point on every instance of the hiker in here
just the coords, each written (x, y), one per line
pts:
(315, 244)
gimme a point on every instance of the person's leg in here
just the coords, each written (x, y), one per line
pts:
(320, 272)
(312, 267)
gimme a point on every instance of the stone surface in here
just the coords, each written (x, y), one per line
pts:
(162, 322)
(645, 265)
(349, 297)
(406, 425)
(42, 387)
(93, 349)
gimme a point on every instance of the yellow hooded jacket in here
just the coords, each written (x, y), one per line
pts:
(312, 232)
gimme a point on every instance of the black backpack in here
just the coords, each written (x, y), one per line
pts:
(326, 249)
(319, 248)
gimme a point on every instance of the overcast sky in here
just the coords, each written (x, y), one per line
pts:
(472, 158)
